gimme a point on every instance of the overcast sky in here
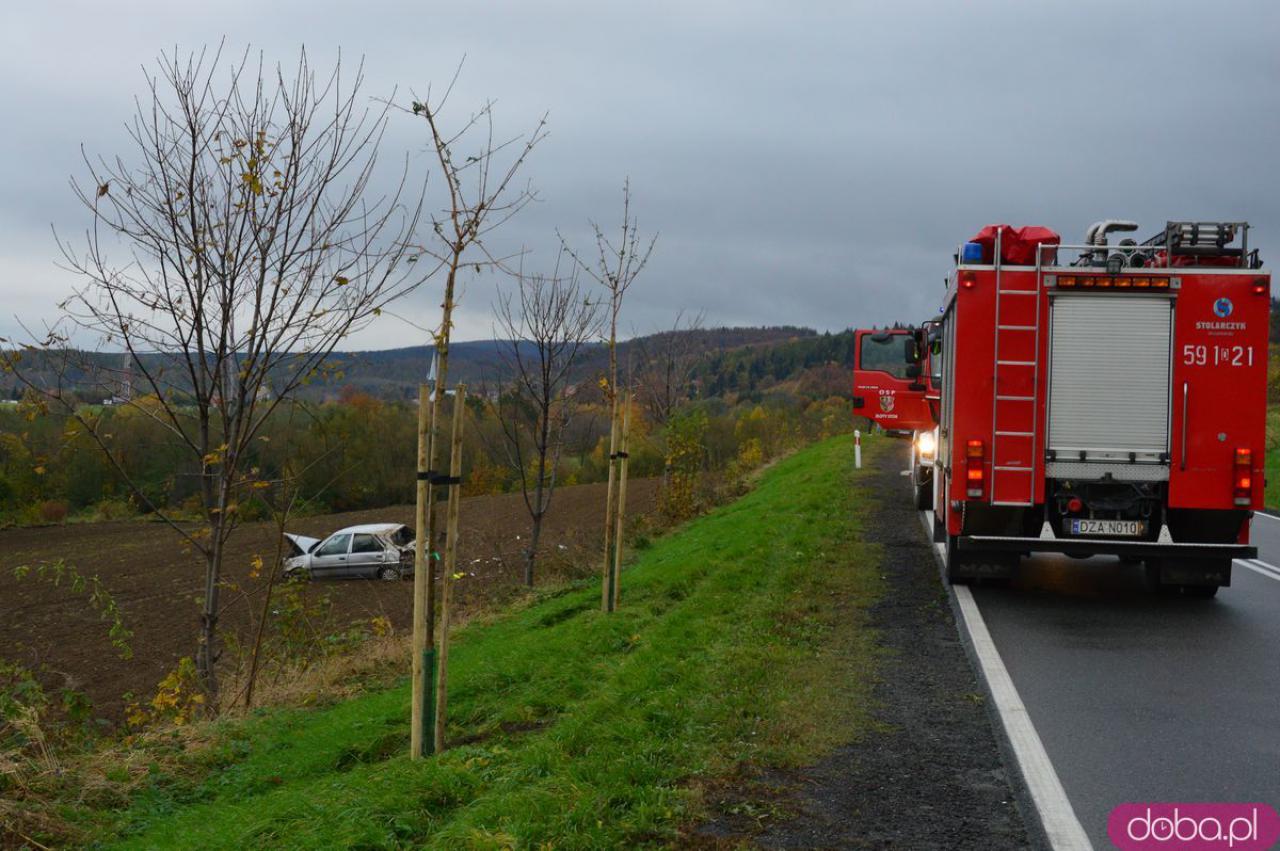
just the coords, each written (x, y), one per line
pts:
(804, 163)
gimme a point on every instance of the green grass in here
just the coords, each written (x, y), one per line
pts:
(740, 639)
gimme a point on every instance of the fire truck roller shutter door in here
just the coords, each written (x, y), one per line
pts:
(1109, 376)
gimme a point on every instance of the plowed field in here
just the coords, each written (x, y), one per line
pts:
(54, 631)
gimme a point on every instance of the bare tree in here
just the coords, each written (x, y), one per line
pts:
(482, 195)
(666, 364)
(617, 264)
(479, 172)
(544, 327)
(616, 267)
(242, 242)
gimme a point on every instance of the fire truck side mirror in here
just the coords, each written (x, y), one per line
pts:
(913, 370)
(910, 351)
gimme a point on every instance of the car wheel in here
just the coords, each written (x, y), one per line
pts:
(389, 574)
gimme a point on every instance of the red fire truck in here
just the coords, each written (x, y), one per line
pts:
(1103, 399)
(896, 386)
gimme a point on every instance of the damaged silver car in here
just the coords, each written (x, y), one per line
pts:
(375, 550)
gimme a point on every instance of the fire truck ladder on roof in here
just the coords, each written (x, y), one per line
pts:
(1016, 385)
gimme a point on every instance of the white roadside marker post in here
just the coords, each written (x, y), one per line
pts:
(857, 449)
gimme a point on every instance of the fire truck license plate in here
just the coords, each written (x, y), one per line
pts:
(1118, 528)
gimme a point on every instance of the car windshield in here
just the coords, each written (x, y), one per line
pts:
(336, 545)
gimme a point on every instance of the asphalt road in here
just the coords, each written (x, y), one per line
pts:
(1143, 697)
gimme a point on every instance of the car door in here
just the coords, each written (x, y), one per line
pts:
(888, 387)
(330, 558)
(366, 555)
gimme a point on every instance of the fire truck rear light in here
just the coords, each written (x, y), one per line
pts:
(975, 473)
(1106, 282)
(1243, 490)
(1075, 505)
(1259, 289)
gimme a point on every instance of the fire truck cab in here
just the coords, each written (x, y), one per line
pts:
(895, 386)
(1107, 403)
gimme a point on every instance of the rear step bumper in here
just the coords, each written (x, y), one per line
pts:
(1102, 546)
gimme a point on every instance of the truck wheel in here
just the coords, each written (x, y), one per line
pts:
(1200, 592)
(924, 495)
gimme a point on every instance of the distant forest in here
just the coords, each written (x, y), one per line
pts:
(394, 374)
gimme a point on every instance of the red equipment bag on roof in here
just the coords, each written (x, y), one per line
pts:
(1017, 245)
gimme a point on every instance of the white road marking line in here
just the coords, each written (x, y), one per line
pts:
(1266, 566)
(1057, 817)
(1260, 568)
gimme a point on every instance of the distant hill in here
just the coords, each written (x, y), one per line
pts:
(751, 358)
(395, 373)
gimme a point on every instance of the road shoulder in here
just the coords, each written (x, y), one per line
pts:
(929, 774)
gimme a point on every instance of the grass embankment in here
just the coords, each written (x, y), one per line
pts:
(740, 639)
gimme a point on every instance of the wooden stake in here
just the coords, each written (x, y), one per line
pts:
(450, 565)
(421, 578)
(606, 576)
(622, 499)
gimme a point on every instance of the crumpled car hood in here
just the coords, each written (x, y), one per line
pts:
(301, 544)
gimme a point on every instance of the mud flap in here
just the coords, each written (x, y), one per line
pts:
(966, 564)
(1187, 572)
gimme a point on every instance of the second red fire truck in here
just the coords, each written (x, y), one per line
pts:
(1100, 399)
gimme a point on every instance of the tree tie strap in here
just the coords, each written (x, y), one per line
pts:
(434, 478)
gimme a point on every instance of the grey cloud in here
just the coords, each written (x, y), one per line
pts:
(805, 163)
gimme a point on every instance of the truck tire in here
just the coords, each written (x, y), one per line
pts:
(1200, 592)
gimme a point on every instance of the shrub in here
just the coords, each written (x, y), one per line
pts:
(112, 508)
(53, 511)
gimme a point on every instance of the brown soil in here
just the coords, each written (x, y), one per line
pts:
(157, 584)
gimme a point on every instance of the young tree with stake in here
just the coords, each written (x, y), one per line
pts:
(479, 174)
(242, 241)
(616, 267)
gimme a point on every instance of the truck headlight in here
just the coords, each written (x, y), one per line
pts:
(925, 443)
